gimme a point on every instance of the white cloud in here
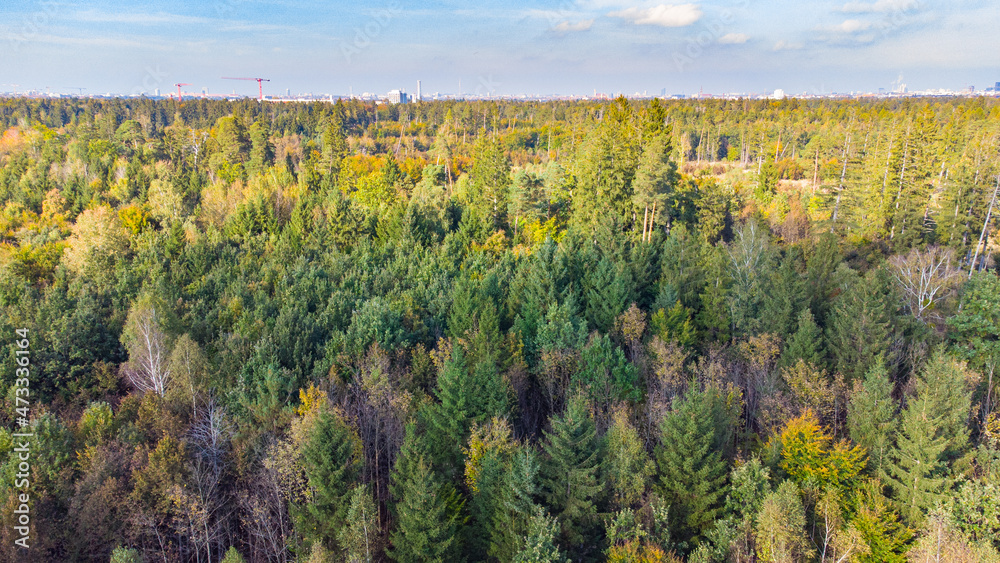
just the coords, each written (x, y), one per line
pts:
(852, 26)
(787, 46)
(664, 15)
(566, 26)
(136, 19)
(879, 6)
(734, 38)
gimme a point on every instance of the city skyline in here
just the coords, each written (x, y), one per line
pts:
(503, 49)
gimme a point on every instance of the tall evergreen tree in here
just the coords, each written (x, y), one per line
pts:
(860, 326)
(692, 473)
(934, 431)
(805, 344)
(426, 528)
(569, 478)
(871, 416)
(332, 460)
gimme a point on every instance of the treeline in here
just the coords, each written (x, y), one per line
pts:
(495, 331)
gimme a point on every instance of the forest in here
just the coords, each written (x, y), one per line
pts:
(500, 331)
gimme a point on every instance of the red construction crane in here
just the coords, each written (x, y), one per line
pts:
(260, 83)
(179, 97)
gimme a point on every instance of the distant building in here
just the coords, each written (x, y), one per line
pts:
(398, 97)
(779, 94)
(997, 87)
(419, 97)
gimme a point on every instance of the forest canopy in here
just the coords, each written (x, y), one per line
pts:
(624, 330)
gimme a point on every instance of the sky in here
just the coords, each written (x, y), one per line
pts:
(508, 47)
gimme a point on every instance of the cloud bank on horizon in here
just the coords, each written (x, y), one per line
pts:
(558, 46)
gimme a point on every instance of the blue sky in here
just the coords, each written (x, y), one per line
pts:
(507, 47)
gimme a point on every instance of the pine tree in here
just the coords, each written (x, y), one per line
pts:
(805, 344)
(569, 478)
(654, 180)
(692, 473)
(871, 416)
(332, 460)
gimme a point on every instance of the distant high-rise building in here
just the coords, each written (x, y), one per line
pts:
(156, 92)
(398, 97)
(997, 87)
(418, 98)
(779, 94)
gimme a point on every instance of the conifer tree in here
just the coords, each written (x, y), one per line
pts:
(448, 421)
(569, 477)
(426, 527)
(626, 465)
(540, 545)
(871, 416)
(933, 432)
(608, 290)
(359, 538)
(332, 460)
(806, 343)
(517, 507)
(692, 473)
(860, 327)
(784, 295)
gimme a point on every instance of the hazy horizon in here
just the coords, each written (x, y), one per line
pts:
(567, 48)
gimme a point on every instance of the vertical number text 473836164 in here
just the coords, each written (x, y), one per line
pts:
(21, 442)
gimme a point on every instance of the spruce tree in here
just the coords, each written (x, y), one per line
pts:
(332, 460)
(806, 343)
(608, 291)
(934, 431)
(539, 543)
(569, 478)
(860, 326)
(426, 518)
(516, 505)
(871, 416)
(448, 421)
(785, 294)
(692, 473)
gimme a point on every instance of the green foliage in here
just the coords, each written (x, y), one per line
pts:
(860, 327)
(331, 460)
(359, 538)
(125, 555)
(692, 473)
(806, 343)
(426, 529)
(933, 431)
(781, 522)
(627, 466)
(871, 417)
(540, 542)
(569, 478)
